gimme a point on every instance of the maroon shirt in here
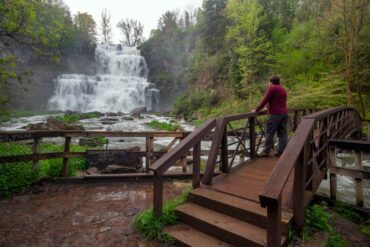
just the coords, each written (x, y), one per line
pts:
(275, 97)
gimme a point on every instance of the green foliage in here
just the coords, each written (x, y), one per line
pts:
(76, 117)
(7, 116)
(155, 124)
(151, 227)
(44, 28)
(335, 240)
(18, 177)
(316, 219)
(346, 211)
(186, 104)
(366, 228)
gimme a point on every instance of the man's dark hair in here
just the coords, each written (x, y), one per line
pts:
(275, 80)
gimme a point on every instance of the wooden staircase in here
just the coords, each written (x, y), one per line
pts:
(213, 218)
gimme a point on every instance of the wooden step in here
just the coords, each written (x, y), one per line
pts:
(236, 207)
(226, 228)
(188, 236)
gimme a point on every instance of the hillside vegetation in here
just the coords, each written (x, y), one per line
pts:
(217, 59)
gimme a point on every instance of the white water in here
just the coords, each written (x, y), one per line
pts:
(120, 84)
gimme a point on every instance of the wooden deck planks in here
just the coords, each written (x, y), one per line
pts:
(249, 181)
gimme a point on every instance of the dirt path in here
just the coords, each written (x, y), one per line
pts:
(79, 215)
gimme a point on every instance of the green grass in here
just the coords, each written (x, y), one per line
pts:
(317, 220)
(365, 229)
(346, 211)
(75, 117)
(18, 177)
(155, 124)
(17, 114)
(151, 227)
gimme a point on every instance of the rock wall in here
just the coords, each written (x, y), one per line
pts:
(38, 86)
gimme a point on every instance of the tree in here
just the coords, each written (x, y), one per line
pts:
(248, 39)
(106, 29)
(212, 25)
(132, 31)
(169, 22)
(85, 31)
(44, 27)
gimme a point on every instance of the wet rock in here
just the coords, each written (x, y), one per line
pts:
(92, 170)
(128, 118)
(108, 120)
(36, 126)
(139, 110)
(113, 114)
(90, 142)
(105, 229)
(131, 212)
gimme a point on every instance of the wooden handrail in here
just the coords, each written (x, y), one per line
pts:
(285, 164)
(337, 122)
(280, 174)
(167, 160)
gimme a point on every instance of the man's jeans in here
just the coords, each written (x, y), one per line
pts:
(276, 124)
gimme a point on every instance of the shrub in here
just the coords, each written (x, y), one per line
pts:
(155, 124)
(18, 177)
(151, 227)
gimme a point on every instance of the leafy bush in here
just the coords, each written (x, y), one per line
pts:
(186, 104)
(18, 177)
(155, 124)
(151, 227)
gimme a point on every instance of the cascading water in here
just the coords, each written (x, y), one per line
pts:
(120, 84)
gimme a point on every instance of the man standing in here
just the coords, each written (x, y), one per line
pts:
(277, 122)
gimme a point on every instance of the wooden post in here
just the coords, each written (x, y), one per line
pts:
(298, 189)
(149, 149)
(333, 176)
(196, 165)
(358, 181)
(65, 160)
(252, 138)
(224, 153)
(158, 195)
(274, 223)
(183, 160)
(295, 120)
(368, 131)
(36, 151)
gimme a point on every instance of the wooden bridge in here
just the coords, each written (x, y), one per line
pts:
(254, 202)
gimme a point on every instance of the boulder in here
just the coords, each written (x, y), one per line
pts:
(139, 110)
(108, 120)
(52, 123)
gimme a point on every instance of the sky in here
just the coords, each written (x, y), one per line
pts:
(145, 11)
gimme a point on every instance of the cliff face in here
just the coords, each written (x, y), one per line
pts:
(169, 56)
(38, 85)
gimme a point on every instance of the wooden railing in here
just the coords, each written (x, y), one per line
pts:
(33, 139)
(307, 155)
(236, 138)
(192, 141)
(352, 148)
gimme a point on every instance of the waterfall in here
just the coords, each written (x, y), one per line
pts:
(120, 84)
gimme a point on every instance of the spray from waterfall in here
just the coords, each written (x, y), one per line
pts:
(120, 84)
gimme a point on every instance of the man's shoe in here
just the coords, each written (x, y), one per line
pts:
(263, 154)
